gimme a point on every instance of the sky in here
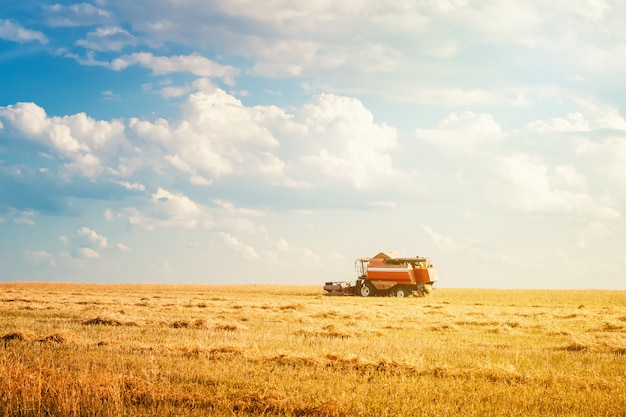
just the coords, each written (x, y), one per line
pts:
(258, 142)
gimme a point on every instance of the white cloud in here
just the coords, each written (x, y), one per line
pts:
(235, 218)
(285, 254)
(573, 122)
(134, 186)
(136, 219)
(230, 209)
(175, 209)
(88, 238)
(178, 210)
(84, 243)
(329, 140)
(341, 141)
(39, 257)
(409, 42)
(440, 241)
(593, 11)
(24, 220)
(194, 64)
(468, 249)
(560, 180)
(239, 247)
(167, 209)
(108, 38)
(606, 60)
(122, 247)
(567, 176)
(12, 31)
(464, 132)
(108, 214)
(218, 136)
(601, 115)
(607, 157)
(79, 139)
(78, 14)
(110, 95)
(169, 92)
(85, 253)
(528, 187)
(469, 122)
(27, 117)
(592, 115)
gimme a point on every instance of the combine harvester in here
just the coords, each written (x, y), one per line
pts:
(387, 274)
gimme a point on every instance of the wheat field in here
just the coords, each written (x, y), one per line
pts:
(193, 350)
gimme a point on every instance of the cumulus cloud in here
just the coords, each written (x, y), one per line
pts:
(178, 91)
(218, 136)
(39, 257)
(471, 248)
(602, 115)
(122, 247)
(85, 253)
(284, 254)
(341, 141)
(281, 40)
(237, 219)
(329, 140)
(78, 14)
(239, 247)
(89, 238)
(85, 243)
(13, 31)
(108, 38)
(464, 132)
(176, 209)
(592, 115)
(79, 139)
(504, 168)
(568, 176)
(607, 157)
(132, 186)
(108, 214)
(530, 187)
(136, 219)
(194, 64)
(573, 122)
(166, 209)
(440, 241)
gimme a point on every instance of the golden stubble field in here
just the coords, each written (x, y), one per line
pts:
(191, 350)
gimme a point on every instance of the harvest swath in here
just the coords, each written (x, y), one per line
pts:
(127, 350)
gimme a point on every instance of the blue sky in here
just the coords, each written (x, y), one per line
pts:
(277, 141)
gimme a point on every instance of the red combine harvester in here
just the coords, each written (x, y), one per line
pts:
(387, 274)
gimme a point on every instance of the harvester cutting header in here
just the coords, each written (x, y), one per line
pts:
(387, 274)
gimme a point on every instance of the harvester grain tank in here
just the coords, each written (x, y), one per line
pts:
(387, 274)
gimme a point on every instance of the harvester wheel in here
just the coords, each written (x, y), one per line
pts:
(367, 290)
(401, 292)
(428, 288)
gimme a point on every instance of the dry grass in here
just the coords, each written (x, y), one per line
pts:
(156, 350)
